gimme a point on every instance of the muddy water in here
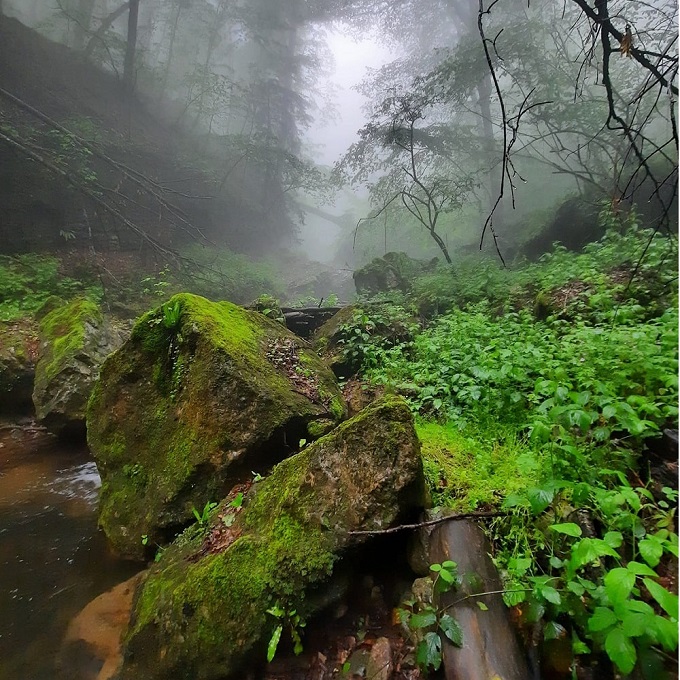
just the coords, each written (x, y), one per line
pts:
(53, 559)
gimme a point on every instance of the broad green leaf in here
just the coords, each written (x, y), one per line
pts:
(540, 498)
(578, 646)
(447, 576)
(450, 627)
(274, 642)
(550, 594)
(519, 565)
(639, 606)
(569, 529)
(429, 651)
(483, 606)
(608, 412)
(621, 650)
(651, 550)
(640, 569)
(618, 584)
(575, 588)
(666, 632)
(667, 601)
(602, 618)
(635, 624)
(423, 620)
(614, 539)
(588, 550)
(553, 630)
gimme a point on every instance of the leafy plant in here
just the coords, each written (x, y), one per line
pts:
(289, 620)
(426, 622)
(203, 518)
(171, 315)
(608, 585)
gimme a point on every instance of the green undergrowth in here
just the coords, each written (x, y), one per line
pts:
(224, 275)
(537, 390)
(27, 281)
(468, 472)
(597, 285)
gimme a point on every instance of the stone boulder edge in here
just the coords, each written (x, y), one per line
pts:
(201, 611)
(200, 395)
(75, 339)
(18, 355)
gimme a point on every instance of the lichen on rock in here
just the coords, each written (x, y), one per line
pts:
(201, 394)
(203, 614)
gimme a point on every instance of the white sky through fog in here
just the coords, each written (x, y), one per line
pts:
(352, 58)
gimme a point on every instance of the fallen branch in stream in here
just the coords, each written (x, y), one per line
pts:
(430, 522)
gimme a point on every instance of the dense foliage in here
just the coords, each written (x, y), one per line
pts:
(537, 389)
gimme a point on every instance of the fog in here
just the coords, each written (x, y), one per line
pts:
(340, 129)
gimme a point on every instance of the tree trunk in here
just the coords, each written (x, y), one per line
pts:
(171, 47)
(84, 20)
(129, 68)
(103, 27)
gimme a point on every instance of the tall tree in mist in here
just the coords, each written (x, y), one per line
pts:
(546, 82)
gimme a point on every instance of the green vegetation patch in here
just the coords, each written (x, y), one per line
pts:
(469, 473)
(64, 332)
(27, 281)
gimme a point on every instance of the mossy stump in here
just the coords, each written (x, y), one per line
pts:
(201, 394)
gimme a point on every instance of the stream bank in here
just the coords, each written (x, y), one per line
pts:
(53, 559)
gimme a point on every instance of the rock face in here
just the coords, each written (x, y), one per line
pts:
(74, 341)
(199, 396)
(393, 271)
(18, 355)
(327, 341)
(202, 610)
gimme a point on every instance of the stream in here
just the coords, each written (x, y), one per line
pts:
(53, 559)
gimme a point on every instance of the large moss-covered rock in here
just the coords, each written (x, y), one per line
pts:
(393, 271)
(201, 394)
(201, 612)
(74, 341)
(18, 356)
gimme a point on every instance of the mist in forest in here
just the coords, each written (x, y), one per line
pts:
(348, 128)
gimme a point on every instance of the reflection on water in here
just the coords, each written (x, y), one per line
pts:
(53, 559)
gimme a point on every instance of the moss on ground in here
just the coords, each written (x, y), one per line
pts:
(467, 472)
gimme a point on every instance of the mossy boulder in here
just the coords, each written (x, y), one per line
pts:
(18, 355)
(393, 271)
(327, 341)
(74, 341)
(201, 612)
(199, 396)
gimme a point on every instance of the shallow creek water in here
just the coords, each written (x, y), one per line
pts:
(53, 559)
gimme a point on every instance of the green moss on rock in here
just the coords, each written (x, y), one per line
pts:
(197, 405)
(203, 615)
(74, 341)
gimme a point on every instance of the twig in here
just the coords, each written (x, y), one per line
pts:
(430, 522)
